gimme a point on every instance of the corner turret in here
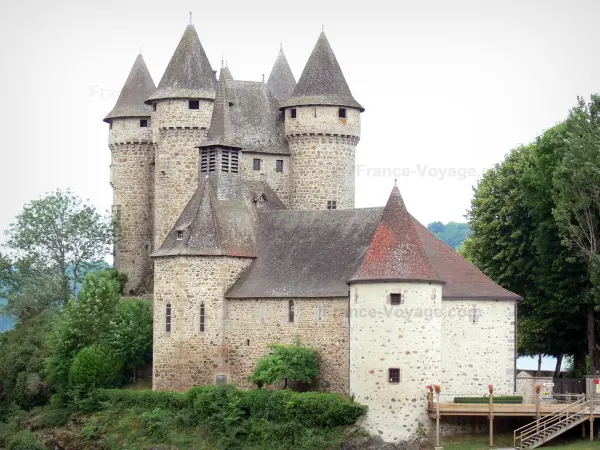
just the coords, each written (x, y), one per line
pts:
(281, 81)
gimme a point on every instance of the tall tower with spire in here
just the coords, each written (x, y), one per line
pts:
(322, 125)
(281, 80)
(181, 113)
(132, 178)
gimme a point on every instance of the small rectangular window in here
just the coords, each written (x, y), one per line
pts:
(394, 375)
(202, 317)
(331, 204)
(291, 312)
(342, 113)
(194, 104)
(256, 164)
(179, 235)
(395, 299)
(144, 123)
(168, 318)
(154, 106)
(293, 113)
(279, 165)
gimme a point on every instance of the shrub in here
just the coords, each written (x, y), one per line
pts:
(500, 399)
(143, 399)
(30, 390)
(94, 367)
(25, 440)
(54, 418)
(156, 423)
(289, 363)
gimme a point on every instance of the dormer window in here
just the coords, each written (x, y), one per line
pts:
(144, 123)
(194, 104)
(293, 113)
(331, 204)
(342, 113)
(180, 235)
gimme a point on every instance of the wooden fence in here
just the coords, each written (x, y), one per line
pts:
(568, 385)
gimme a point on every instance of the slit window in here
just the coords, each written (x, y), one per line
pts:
(291, 312)
(394, 376)
(331, 204)
(154, 106)
(293, 113)
(395, 299)
(256, 164)
(202, 317)
(342, 113)
(144, 123)
(168, 318)
(194, 104)
(279, 165)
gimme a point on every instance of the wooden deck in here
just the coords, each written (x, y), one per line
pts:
(499, 410)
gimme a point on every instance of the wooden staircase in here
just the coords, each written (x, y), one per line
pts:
(543, 430)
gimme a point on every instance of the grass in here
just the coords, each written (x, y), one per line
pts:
(481, 442)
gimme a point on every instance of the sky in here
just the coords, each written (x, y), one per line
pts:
(449, 87)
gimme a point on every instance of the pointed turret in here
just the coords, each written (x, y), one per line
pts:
(225, 74)
(322, 81)
(281, 81)
(189, 74)
(137, 88)
(396, 252)
(220, 132)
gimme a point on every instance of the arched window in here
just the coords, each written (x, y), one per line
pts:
(291, 311)
(168, 318)
(202, 317)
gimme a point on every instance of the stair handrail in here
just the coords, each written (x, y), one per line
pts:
(553, 419)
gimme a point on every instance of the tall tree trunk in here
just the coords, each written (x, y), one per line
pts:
(559, 360)
(580, 363)
(591, 339)
(539, 372)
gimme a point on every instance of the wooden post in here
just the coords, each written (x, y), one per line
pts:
(491, 418)
(583, 424)
(592, 418)
(537, 411)
(437, 421)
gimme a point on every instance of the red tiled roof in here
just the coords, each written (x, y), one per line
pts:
(396, 252)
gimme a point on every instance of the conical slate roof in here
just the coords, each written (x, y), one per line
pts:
(137, 88)
(189, 74)
(225, 74)
(221, 129)
(281, 80)
(396, 253)
(322, 81)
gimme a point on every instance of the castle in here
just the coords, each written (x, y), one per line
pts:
(235, 201)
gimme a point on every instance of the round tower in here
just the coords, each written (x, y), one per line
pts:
(181, 112)
(395, 328)
(322, 125)
(131, 177)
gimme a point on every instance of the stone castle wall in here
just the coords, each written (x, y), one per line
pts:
(321, 323)
(405, 337)
(278, 181)
(187, 357)
(322, 120)
(478, 347)
(177, 131)
(132, 157)
(322, 170)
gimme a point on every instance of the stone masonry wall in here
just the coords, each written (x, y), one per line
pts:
(187, 357)
(322, 169)
(278, 181)
(478, 347)
(405, 337)
(177, 131)
(132, 156)
(321, 323)
(323, 148)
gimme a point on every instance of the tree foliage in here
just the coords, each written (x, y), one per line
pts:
(287, 363)
(96, 366)
(60, 231)
(452, 233)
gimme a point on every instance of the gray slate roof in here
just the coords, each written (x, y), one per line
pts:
(219, 227)
(281, 80)
(189, 74)
(225, 74)
(322, 81)
(221, 128)
(257, 122)
(137, 88)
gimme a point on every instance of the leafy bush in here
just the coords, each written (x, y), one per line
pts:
(119, 277)
(144, 399)
(156, 423)
(94, 367)
(54, 418)
(25, 440)
(501, 399)
(290, 363)
(30, 390)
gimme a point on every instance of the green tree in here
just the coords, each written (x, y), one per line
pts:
(577, 197)
(288, 363)
(80, 324)
(453, 233)
(60, 231)
(96, 366)
(130, 333)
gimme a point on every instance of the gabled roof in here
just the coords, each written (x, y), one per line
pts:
(281, 80)
(210, 226)
(395, 252)
(322, 81)
(137, 88)
(221, 130)
(189, 74)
